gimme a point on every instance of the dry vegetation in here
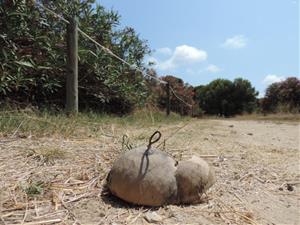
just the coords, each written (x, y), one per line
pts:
(278, 117)
(53, 168)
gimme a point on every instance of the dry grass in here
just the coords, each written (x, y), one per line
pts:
(56, 174)
(26, 123)
(278, 117)
(45, 155)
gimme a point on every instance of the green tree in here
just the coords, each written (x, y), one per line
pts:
(184, 91)
(216, 97)
(33, 58)
(282, 96)
(244, 96)
(271, 100)
(226, 98)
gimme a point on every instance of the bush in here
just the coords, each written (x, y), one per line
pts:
(282, 96)
(226, 98)
(184, 91)
(33, 56)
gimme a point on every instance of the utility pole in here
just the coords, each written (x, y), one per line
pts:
(72, 67)
(168, 98)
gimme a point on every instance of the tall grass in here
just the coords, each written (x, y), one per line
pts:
(45, 123)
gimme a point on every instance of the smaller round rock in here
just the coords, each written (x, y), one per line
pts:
(194, 177)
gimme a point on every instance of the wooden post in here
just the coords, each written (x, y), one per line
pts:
(168, 99)
(72, 67)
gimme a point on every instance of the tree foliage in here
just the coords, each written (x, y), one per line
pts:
(227, 98)
(183, 91)
(33, 55)
(282, 96)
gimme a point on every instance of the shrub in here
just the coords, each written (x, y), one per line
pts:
(226, 98)
(282, 96)
(33, 56)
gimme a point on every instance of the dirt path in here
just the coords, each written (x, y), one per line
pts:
(257, 167)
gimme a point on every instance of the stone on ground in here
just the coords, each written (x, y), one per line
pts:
(153, 217)
(144, 179)
(194, 177)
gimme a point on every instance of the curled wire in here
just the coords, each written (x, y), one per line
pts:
(151, 141)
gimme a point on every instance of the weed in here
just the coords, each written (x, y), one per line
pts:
(46, 155)
(34, 188)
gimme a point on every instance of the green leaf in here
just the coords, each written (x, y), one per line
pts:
(18, 14)
(24, 63)
(44, 67)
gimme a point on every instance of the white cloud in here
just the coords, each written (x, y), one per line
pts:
(183, 55)
(235, 42)
(213, 68)
(272, 78)
(164, 51)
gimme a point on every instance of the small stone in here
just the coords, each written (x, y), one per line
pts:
(216, 164)
(250, 134)
(22, 136)
(289, 187)
(236, 177)
(210, 206)
(231, 126)
(153, 217)
(221, 158)
(102, 214)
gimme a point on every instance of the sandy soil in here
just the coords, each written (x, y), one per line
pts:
(257, 166)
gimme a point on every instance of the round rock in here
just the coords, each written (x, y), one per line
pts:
(194, 177)
(144, 179)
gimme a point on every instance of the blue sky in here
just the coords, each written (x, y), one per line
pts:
(201, 40)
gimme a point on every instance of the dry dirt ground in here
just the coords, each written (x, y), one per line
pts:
(61, 181)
